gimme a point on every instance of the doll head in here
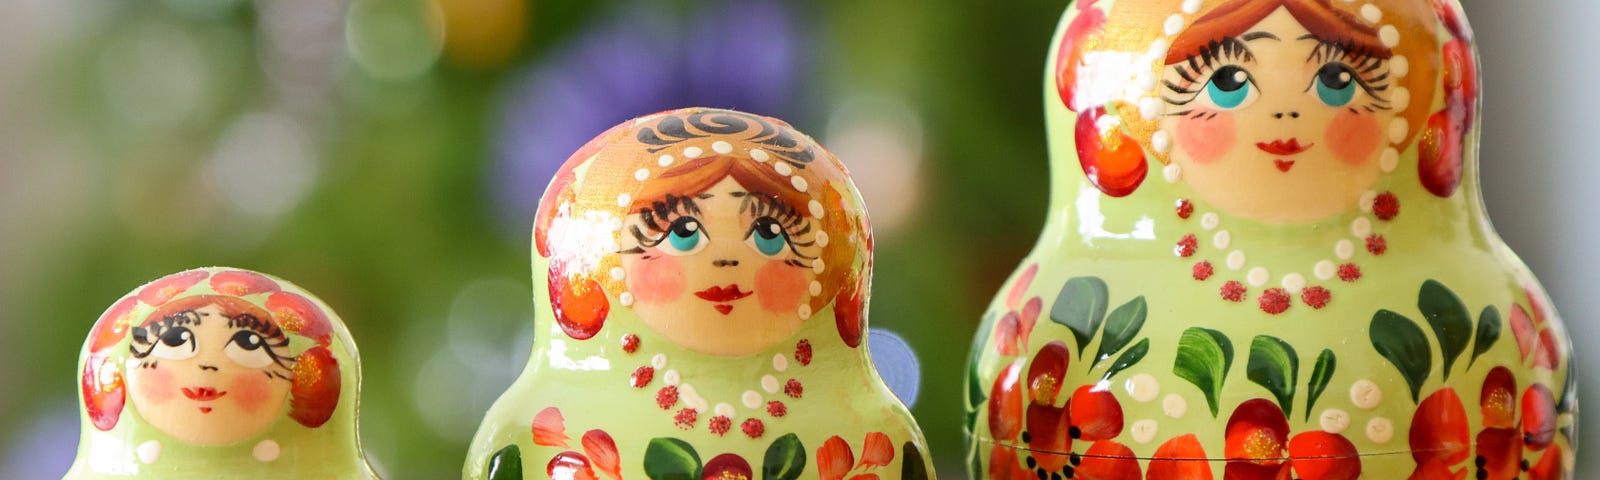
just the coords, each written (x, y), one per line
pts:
(1279, 111)
(722, 231)
(212, 357)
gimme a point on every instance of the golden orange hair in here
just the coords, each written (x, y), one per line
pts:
(1318, 16)
(230, 306)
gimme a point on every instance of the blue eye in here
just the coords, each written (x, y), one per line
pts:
(768, 237)
(1335, 84)
(1230, 88)
(684, 236)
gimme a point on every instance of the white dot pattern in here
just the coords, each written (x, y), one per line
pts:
(1335, 421)
(1380, 430)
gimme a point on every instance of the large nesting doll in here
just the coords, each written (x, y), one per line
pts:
(701, 280)
(219, 373)
(1267, 258)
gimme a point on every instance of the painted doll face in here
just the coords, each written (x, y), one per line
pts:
(1277, 125)
(721, 272)
(208, 379)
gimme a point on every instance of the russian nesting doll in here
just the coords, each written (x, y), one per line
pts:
(219, 373)
(701, 279)
(1267, 258)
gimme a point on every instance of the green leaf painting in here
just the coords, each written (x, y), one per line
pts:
(671, 459)
(1081, 306)
(506, 464)
(975, 397)
(911, 466)
(1320, 375)
(785, 459)
(1204, 358)
(1400, 341)
(1274, 365)
(1123, 324)
(1451, 321)
(1488, 332)
(1129, 358)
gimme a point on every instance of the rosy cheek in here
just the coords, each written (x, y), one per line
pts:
(780, 287)
(1354, 136)
(1204, 137)
(249, 390)
(656, 280)
(155, 385)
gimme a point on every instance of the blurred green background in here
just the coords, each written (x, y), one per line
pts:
(386, 155)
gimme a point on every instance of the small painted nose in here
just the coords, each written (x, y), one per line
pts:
(1280, 115)
(724, 263)
(208, 367)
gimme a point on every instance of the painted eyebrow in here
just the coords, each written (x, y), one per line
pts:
(1309, 36)
(704, 196)
(1259, 35)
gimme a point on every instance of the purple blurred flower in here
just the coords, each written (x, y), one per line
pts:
(640, 59)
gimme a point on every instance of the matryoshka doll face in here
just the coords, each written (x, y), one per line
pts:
(210, 370)
(726, 270)
(722, 231)
(1277, 123)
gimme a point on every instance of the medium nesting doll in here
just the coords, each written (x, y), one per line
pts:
(1307, 286)
(701, 279)
(219, 373)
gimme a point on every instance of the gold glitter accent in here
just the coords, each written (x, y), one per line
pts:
(1261, 446)
(1499, 404)
(290, 320)
(307, 373)
(732, 475)
(1044, 390)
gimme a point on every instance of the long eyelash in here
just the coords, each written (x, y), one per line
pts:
(149, 335)
(644, 240)
(272, 336)
(267, 330)
(1196, 67)
(666, 210)
(657, 217)
(759, 204)
(1372, 72)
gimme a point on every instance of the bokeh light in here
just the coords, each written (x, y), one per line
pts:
(880, 140)
(264, 164)
(394, 39)
(482, 34)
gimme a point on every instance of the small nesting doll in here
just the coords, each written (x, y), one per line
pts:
(219, 373)
(1267, 258)
(700, 283)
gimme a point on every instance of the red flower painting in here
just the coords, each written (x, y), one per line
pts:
(1259, 447)
(1055, 433)
(1012, 331)
(1440, 441)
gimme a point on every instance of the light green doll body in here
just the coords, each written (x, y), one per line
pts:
(701, 281)
(1267, 257)
(219, 373)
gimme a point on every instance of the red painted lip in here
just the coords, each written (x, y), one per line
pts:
(203, 394)
(205, 409)
(722, 294)
(1282, 147)
(1284, 165)
(723, 308)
